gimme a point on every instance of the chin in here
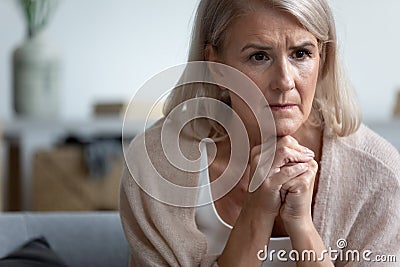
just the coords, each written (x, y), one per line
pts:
(284, 128)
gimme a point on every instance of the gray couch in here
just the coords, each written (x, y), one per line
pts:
(81, 239)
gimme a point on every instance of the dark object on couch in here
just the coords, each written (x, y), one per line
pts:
(80, 239)
(35, 253)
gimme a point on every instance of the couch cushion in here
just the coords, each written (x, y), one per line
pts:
(35, 253)
(81, 239)
(13, 232)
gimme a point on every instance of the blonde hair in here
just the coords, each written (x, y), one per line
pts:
(334, 103)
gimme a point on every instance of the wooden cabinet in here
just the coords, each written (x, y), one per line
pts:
(23, 138)
(61, 181)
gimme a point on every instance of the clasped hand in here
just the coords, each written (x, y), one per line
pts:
(287, 188)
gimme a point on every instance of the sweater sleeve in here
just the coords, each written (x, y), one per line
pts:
(376, 231)
(159, 234)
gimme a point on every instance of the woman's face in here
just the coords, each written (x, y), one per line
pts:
(274, 50)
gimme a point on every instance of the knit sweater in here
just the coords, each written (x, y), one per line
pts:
(358, 199)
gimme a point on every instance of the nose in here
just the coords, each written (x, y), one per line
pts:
(282, 76)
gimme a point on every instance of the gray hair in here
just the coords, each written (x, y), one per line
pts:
(334, 103)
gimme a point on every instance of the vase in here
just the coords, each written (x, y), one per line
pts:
(36, 78)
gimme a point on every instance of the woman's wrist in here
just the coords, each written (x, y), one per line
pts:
(299, 226)
(265, 208)
(305, 237)
(251, 211)
(250, 234)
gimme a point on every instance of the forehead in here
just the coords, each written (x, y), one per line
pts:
(268, 25)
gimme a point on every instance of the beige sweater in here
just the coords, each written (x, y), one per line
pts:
(358, 199)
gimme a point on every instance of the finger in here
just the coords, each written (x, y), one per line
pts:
(286, 150)
(302, 182)
(280, 143)
(264, 156)
(289, 150)
(285, 155)
(287, 173)
(261, 168)
(291, 142)
(275, 159)
(278, 176)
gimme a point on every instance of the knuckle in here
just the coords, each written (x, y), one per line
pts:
(316, 167)
(292, 170)
(285, 171)
(285, 150)
(289, 140)
(280, 150)
(313, 166)
(283, 139)
(304, 185)
(292, 140)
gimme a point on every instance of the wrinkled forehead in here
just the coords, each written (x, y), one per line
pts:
(261, 17)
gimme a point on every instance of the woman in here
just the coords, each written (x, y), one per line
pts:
(331, 178)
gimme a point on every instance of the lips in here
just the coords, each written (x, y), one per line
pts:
(282, 106)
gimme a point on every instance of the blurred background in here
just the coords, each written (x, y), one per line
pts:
(61, 148)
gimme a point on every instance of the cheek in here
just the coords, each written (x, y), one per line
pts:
(307, 97)
(308, 82)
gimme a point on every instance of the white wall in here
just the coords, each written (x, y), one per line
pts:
(369, 40)
(111, 48)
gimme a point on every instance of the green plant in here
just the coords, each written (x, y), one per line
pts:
(38, 13)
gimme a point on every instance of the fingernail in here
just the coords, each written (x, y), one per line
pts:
(309, 152)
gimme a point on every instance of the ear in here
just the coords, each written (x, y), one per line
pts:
(211, 55)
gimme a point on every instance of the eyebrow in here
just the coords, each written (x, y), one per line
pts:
(262, 47)
(256, 46)
(304, 44)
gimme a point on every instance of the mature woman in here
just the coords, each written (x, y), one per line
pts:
(331, 178)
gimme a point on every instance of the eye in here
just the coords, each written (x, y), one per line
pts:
(301, 54)
(259, 57)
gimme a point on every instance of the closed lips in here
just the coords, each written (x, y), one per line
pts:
(282, 106)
